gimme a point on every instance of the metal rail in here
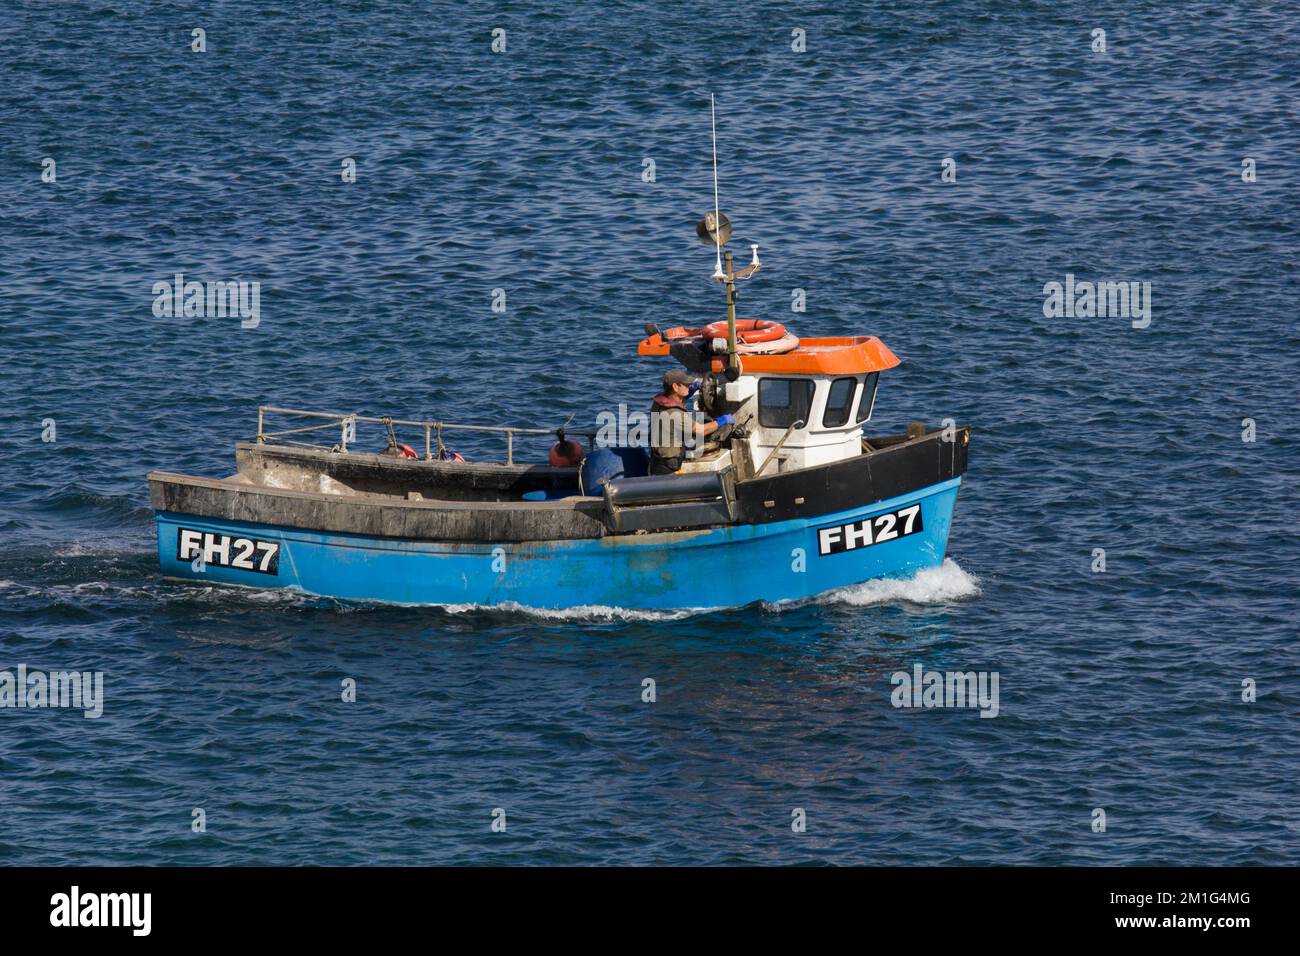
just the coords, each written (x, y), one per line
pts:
(342, 421)
(772, 454)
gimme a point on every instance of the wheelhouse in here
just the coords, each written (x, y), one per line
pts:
(797, 409)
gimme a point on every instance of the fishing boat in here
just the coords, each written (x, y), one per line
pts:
(789, 500)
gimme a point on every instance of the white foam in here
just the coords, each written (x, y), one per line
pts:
(78, 550)
(949, 582)
(102, 548)
(583, 612)
(940, 585)
(189, 590)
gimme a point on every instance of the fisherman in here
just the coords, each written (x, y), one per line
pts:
(671, 423)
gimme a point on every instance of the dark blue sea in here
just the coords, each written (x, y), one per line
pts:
(1127, 690)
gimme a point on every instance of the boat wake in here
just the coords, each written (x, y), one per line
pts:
(948, 582)
(932, 586)
(940, 585)
(585, 613)
(105, 548)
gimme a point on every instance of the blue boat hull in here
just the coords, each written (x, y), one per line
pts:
(718, 567)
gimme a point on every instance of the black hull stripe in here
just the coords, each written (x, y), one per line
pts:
(887, 473)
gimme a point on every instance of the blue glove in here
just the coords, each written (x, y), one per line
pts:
(725, 420)
(695, 387)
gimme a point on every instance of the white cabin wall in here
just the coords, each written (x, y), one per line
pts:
(808, 446)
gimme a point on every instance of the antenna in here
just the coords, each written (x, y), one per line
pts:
(716, 229)
(717, 211)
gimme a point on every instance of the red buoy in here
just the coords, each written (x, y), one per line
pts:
(566, 454)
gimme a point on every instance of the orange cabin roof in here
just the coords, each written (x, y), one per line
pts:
(847, 355)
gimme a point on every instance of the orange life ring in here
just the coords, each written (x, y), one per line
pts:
(748, 331)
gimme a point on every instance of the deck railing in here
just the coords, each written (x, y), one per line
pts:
(346, 423)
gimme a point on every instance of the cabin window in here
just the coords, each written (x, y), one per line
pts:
(868, 396)
(839, 402)
(784, 401)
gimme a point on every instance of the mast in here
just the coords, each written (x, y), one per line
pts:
(717, 211)
(716, 230)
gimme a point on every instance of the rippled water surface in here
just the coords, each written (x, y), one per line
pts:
(523, 171)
